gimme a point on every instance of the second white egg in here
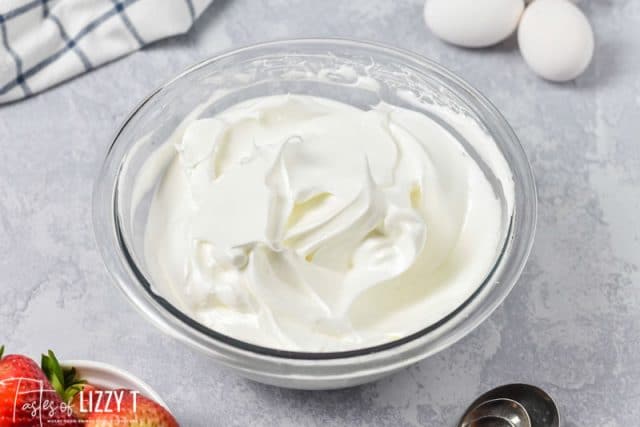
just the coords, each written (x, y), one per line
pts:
(473, 23)
(556, 39)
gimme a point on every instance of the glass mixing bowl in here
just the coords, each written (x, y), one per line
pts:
(358, 73)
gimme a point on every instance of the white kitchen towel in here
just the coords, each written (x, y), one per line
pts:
(44, 42)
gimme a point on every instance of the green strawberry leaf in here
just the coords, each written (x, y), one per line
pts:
(64, 380)
(1, 351)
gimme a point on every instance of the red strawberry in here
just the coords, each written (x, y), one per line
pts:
(27, 398)
(134, 410)
(83, 400)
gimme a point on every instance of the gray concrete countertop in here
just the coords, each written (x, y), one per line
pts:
(571, 325)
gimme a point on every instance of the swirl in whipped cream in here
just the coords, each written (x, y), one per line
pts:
(302, 223)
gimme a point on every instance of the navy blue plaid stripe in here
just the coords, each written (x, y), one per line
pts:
(20, 10)
(127, 22)
(19, 80)
(72, 42)
(192, 9)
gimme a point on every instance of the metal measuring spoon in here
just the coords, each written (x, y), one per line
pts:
(538, 405)
(496, 413)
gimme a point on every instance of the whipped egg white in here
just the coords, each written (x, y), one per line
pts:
(303, 223)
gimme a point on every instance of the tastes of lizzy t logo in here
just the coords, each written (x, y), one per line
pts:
(38, 406)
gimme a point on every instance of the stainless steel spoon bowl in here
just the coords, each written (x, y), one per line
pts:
(538, 405)
(496, 413)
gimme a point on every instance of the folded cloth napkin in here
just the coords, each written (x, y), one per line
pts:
(44, 42)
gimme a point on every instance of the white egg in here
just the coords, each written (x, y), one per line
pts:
(473, 23)
(555, 39)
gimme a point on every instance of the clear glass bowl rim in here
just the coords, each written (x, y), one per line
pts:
(516, 249)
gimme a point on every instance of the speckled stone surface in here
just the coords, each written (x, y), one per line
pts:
(572, 324)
